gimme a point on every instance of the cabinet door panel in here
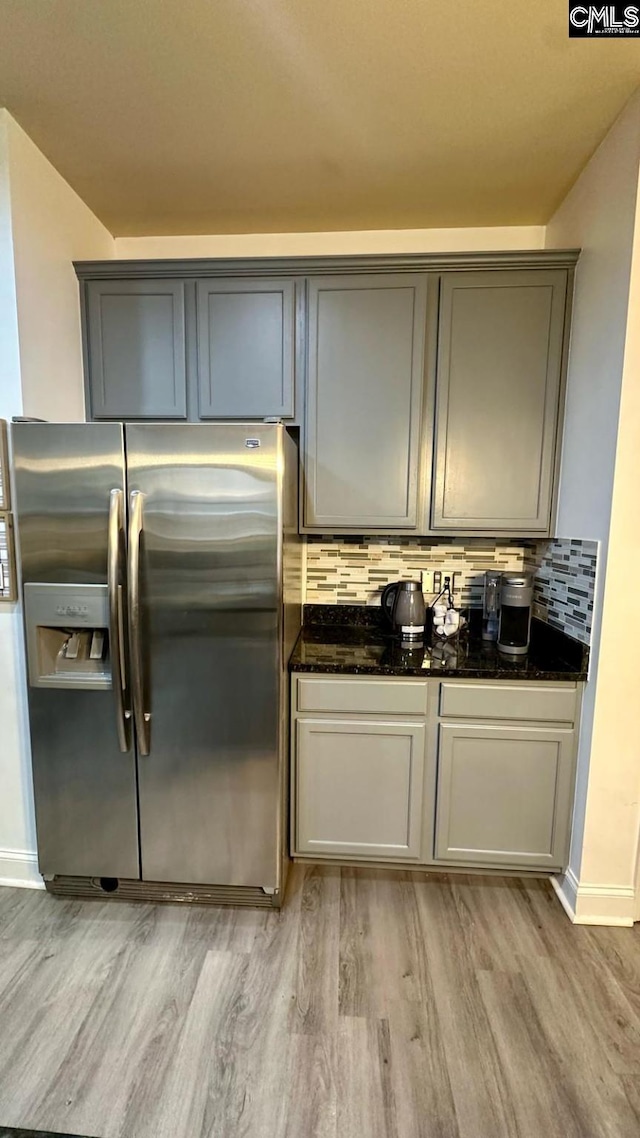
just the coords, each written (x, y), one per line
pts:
(365, 389)
(136, 349)
(246, 348)
(504, 795)
(555, 703)
(498, 381)
(359, 788)
(355, 695)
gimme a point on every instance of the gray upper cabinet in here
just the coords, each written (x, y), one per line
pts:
(135, 349)
(429, 390)
(365, 385)
(504, 795)
(499, 387)
(246, 348)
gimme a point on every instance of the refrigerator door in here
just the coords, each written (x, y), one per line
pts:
(205, 614)
(84, 783)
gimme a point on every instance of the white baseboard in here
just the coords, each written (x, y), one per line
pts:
(566, 888)
(586, 904)
(19, 868)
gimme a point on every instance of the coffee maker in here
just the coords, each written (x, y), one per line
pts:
(516, 599)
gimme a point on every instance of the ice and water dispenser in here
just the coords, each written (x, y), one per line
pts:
(67, 635)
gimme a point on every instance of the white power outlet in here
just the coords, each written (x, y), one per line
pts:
(453, 584)
(427, 581)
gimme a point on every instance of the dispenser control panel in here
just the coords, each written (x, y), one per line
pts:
(67, 635)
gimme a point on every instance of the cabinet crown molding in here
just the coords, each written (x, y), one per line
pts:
(303, 266)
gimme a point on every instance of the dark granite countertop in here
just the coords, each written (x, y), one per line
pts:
(353, 640)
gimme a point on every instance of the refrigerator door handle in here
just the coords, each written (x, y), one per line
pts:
(141, 717)
(116, 619)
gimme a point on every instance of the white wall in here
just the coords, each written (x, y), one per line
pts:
(17, 833)
(600, 216)
(51, 227)
(334, 244)
(612, 825)
(43, 226)
(10, 392)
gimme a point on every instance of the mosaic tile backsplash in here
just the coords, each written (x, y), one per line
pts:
(564, 584)
(346, 570)
(352, 570)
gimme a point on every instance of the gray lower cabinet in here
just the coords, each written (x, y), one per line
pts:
(499, 381)
(504, 795)
(452, 773)
(246, 348)
(359, 788)
(135, 361)
(365, 386)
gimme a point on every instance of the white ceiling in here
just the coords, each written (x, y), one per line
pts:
(218, 116)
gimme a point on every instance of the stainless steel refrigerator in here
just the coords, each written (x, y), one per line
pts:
(161, 587)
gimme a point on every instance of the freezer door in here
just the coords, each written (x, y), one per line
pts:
(205, 621)
(85, 785)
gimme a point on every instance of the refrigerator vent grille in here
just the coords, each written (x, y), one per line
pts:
(90, 888)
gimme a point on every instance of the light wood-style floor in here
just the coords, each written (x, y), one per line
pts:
(375, 1005)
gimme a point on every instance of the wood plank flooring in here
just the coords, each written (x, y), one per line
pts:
(375, 1005)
